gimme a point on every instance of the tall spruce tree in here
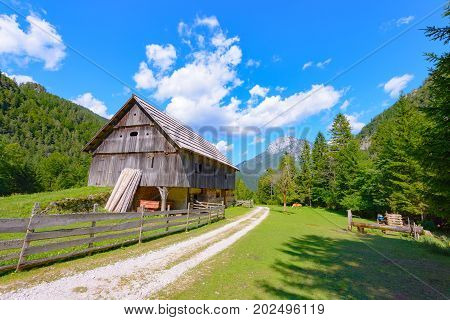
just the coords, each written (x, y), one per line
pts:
(285, 180)
(436, 155)
(340, 132)
(320, 158)
(266, 187)
(396, 145)
(305, 177)
(342, 159)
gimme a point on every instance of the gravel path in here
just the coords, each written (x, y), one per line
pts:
(143, 276)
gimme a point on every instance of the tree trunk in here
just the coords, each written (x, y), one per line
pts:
(164, 193)
(284, 201)
(310, 196)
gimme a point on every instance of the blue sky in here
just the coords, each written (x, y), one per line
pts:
(227, 68)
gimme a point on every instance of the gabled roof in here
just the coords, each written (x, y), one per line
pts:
(180, 135)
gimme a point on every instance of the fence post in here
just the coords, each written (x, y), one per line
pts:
(209, 215)
(26, 241)
(349, 218)
(93, 224)
(167, 221)
(187, 219)
(141, 210)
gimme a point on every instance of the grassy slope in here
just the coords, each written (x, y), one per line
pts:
(307, 254)
(20, 205)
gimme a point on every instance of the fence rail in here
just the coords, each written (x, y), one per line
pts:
(41, 238)
(244, 203)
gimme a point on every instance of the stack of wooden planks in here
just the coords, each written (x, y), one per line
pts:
(124, 190)
(394, 219)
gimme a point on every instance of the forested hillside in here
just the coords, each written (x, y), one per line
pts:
(398, 163)
(41, 137)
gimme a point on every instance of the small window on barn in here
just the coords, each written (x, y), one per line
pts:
(153, 162)
(198, 168)
(133, 134)
(120, 136)
(146, 134)
(135, 114)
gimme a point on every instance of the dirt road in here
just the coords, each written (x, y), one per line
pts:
(141, 277)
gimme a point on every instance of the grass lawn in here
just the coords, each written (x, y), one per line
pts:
(19, 206)
(308, 254)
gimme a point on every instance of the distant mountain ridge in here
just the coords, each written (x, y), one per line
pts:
(252, 169)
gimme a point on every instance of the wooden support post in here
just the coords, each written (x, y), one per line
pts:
(349, 219)
(26, 241)
(164, 192)
(141, 210)
(93, 224)
(187, 219)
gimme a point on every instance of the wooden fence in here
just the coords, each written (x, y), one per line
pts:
(245, 203)
(412, 229)
(42, 238)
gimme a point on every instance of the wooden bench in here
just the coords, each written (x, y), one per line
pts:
(149, 205)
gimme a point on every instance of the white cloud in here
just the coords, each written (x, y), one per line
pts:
(276, 111)
(40, 42)
(200, 92)
(355, 124)
(396, 84)
(387, 25)
(307, 65)
(184, 29)
(210, 22)
(162, 57)
(19, 78)
(280, 88)
(404, 20)
(322, 64)
(344, 105)
(253, 63)
(259, 91)
(276, 58)
(88, 101)
(144, 78)
(223, 146)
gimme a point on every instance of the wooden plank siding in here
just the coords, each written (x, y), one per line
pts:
(169, 154)
(179, 169)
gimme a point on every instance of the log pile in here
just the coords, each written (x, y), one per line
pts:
(124, 190)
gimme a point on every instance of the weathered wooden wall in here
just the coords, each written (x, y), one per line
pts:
(137, 143)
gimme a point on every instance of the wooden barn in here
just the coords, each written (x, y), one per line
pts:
(171, 156)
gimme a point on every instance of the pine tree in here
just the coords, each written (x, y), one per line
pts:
(285, 180)
(320, 171)
(396, 144)
(242, 192)
(436, 153)
(305, 177)
(340, 132)
(266, 187)
(341, 159)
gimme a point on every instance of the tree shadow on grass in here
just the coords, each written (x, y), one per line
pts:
(316, 267)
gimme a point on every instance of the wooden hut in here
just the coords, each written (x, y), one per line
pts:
(174, 159)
